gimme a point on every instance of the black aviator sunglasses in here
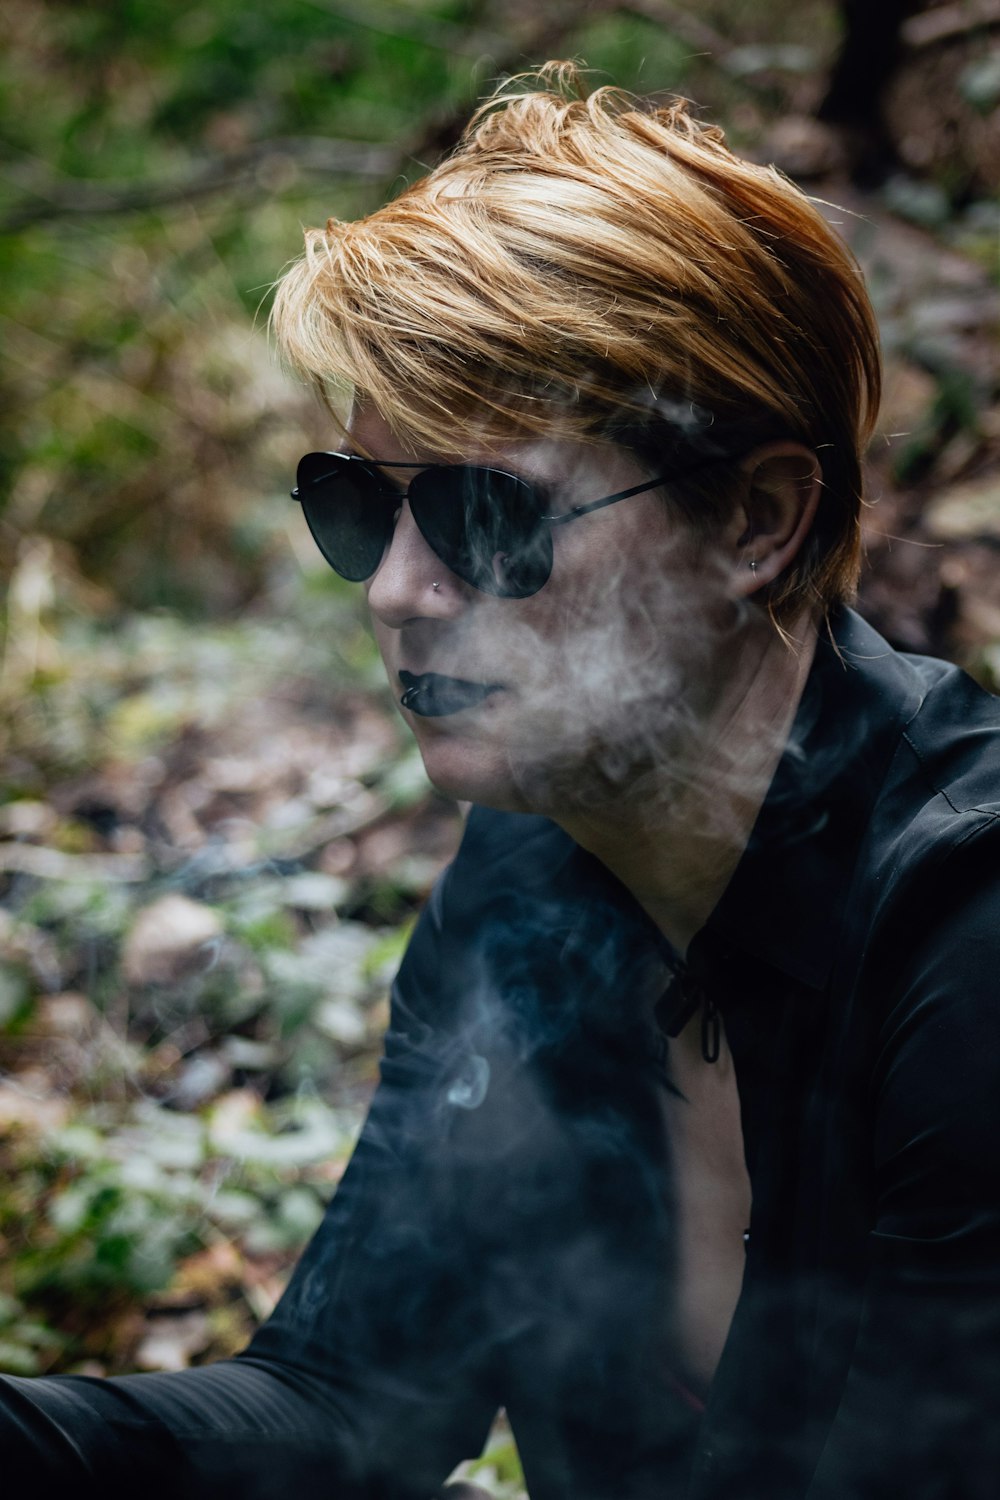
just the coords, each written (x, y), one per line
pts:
(488, 527)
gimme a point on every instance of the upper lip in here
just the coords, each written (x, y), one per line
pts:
(410, 672)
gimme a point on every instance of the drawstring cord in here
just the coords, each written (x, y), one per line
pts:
(682, 998)
(711, 1030)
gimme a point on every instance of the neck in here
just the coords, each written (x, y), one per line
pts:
(676, 847)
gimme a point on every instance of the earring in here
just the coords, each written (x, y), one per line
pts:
(753, 565)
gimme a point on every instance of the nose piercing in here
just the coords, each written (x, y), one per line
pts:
(435, 587)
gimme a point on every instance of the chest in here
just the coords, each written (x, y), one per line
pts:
(712, 1201)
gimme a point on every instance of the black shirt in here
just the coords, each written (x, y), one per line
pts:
(503, 1232)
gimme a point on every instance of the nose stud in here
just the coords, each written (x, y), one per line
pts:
(435, 587)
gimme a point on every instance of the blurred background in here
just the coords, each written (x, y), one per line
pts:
(213, 836)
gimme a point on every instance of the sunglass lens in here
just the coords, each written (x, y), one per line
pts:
(348, 513)
(484, 525)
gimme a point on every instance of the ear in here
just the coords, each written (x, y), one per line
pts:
(776, 507)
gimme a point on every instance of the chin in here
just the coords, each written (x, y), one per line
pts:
(470, 771)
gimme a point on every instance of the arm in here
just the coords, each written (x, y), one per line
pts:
(368, 1380)
(918, 1419)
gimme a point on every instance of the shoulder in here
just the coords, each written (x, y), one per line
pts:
(928, 884)
(937, 817)
(923, 911)
(954, 739)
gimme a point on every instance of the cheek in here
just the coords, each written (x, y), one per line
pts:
(622, 640)
(611, 580)
(611, 544)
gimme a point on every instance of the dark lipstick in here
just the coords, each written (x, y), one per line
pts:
(433, 696)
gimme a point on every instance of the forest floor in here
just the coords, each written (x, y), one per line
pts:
(218, 839)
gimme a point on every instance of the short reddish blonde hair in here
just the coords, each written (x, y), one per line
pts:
(597, 267)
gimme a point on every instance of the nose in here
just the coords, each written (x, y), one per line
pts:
(411, 582)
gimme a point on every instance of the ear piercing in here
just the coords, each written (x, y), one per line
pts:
(753, 567)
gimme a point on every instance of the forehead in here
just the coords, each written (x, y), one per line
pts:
(552, 460)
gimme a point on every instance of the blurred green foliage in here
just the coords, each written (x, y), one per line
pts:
(109, 1210)
(146, 424)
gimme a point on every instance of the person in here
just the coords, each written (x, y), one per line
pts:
(685, 1147)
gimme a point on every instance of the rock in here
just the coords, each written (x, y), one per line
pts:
(26, 1102)
(27, 819)
(200, 1077)
(966, 511)
(342, 1022)
(68, 1014)
(803, 147)
(172, 1340)
(170, 939)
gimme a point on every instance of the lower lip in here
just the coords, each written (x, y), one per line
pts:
(433, 697)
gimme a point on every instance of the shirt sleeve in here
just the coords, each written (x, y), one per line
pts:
(918, 1419)
(371, 1377)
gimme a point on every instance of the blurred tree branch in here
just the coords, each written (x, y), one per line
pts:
(687, 27)
(48, 197)
(444, 36)
(541, 38)
(947, 21)
(530, 34)
(53, 197)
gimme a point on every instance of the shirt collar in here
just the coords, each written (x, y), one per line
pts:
(787, 896)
